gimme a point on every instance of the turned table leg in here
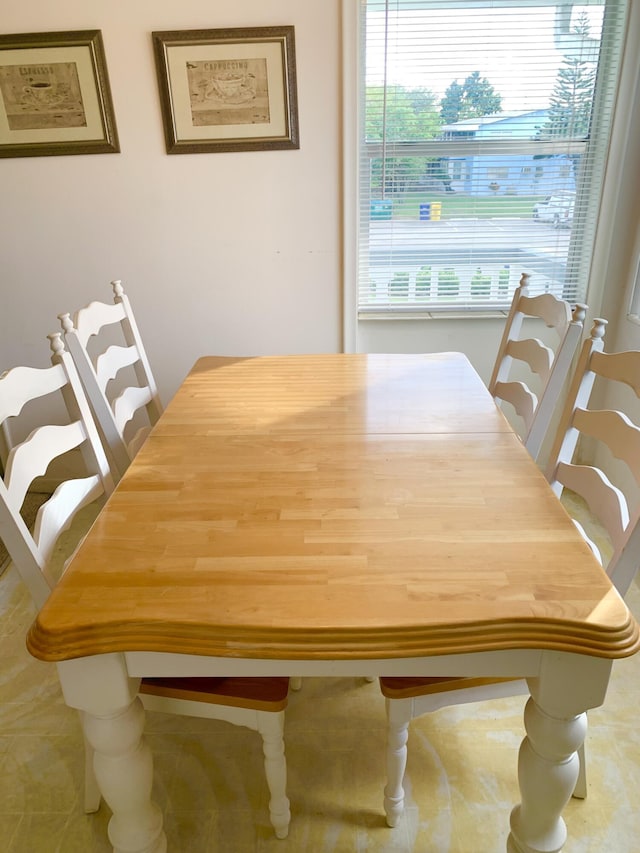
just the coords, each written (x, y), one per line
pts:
(548, 768)
(124, 771)
(548, 765)
(113, 721)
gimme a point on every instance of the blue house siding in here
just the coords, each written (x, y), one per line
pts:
(496, 174)
(511, 175)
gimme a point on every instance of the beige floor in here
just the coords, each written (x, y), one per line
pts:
(461, 781)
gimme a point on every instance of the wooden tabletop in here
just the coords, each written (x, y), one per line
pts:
(331, 507)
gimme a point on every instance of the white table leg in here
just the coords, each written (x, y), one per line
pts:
(124, 771)
(113, 722)
(548, 766)
(547, 769)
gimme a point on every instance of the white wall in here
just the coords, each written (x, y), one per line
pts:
(235, 253)
(478, 337)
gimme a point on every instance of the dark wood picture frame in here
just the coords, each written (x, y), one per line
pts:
(227, 89)
(55, 96)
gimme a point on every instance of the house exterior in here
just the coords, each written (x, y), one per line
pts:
(498, 174)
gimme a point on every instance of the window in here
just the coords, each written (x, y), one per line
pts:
(498, 173)
(482, 142)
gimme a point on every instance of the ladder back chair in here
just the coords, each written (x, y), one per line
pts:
(545, 367)
(609, 488)
(106, 346)
(29, 459)
(255, 703)
(615, 507)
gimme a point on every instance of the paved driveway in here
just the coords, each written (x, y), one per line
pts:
(465, 244)
(519, 233)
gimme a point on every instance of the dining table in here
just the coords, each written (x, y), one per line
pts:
(334, 515)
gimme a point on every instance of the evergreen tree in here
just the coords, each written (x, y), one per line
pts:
(451, 104)
(572, 97)
(471, 99)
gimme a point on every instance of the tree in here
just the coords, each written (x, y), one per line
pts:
(572, 97)
(407, 115)
(475, 97)
(451, 104)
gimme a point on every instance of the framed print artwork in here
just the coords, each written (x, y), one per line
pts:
(227, 90)
(54, 95)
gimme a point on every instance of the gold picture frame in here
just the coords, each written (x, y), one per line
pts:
(55, 96)
(227, 89)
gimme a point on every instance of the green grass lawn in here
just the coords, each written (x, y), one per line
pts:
(457, 205)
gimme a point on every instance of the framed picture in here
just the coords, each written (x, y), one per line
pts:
(227, 90)
(54, 95)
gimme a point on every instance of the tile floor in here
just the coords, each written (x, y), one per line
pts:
(461, 781)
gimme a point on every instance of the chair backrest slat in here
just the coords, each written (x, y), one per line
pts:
(556, 313)
(521, 397)
(605, 501)
(537, 355)
(93, 317)
(32, 457)
(112, 361)
(58, 512)
(614, 429)
(619, 366)
(40, 382)
(127, 404)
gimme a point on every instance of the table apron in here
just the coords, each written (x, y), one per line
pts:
(568, 683)
(519, 663)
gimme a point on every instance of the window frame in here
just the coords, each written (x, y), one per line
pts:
(353, 116)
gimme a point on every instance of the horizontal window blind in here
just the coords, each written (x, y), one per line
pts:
(483, 142)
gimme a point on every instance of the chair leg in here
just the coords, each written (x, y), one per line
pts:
(580, 790)
(295, 682)
(92, 795)
(398, 719)
(271, 727)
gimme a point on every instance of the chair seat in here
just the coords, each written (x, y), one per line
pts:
(260, 694)
(407, 688)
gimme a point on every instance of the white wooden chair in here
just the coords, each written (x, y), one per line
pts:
(615, 507)
(106, 346)
(256, 703)
(545, 367)
(610, 489)
(29, 459)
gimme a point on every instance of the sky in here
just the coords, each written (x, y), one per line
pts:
(518, 50)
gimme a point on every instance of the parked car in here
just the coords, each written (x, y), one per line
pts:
(557, 209)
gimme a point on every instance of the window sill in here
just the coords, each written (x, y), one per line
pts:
(430, 315)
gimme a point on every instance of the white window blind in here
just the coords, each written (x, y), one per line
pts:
(483, 142)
